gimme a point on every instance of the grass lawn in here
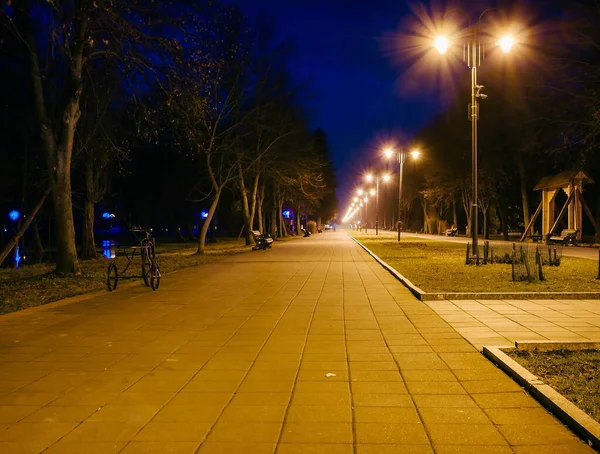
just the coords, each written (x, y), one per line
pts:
(439, 267)
(574, 374)
(36, 285)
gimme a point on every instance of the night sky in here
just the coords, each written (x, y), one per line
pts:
(354, 86)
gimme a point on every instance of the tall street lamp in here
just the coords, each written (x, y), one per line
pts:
(473, 55)
(378, 178)
(401, 156)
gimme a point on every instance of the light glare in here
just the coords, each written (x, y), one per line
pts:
(442, 44)
(415, 154)
(506, 43)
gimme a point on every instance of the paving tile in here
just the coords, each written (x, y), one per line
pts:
(550, 434)
(329, 413)
(236, 448)
(250, 432)
(379, 387)
(13, 413)
(376, 376)
(142, 447)
(23, 431)
(473, 449)
(321, 432)
(393, 449)
(103, 432)
(464, 434)
(503, 385)
(382, 400)
(261, 399)
(521, 416)
(53, 414)
(387, 433)
(253, 414)
(453, 415)
(172, 432)
(505, 400)
(577, 447)
(322, 398)
(394, 415)
(63, 447)
(438, 387)
(189, 413)
(443, 401)
(320, 448)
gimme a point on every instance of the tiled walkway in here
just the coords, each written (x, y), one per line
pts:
(310, 347)
(489, 322)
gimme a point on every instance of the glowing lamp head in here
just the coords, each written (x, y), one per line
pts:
(372, 191)
(388, 153)
(355, 199)
(442, 44)
(14, 215)
(369, 177)
(415, 154)
(366, 199)
(506, 43)
(360, 192)
(386, 178)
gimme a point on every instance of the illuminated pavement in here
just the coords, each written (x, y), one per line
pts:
(310, 347)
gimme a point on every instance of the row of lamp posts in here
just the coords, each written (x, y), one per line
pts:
(473, 56)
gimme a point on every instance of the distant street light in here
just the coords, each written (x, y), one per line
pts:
(401, 157)
(473, 56)
(369, 177)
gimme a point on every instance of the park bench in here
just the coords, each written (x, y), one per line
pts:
(262, 241)
(451, 232)
(306, 232)
(567, 236)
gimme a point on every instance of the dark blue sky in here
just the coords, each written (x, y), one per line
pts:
(353, 84)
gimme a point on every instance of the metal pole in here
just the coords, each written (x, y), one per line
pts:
(377, 206)
(401, 157)
(474, 118)
(367, 213)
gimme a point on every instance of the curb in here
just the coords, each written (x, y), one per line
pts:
(423, 296)
(577, 420)
(408, 284)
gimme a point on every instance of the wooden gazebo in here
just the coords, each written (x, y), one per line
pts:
(571, 182)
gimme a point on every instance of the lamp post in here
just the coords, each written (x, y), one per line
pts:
(377, 178)
(401, 156)
(473, 55)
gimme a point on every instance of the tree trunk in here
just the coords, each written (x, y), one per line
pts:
(524, 195)
(503, 213)
(15, 240)
(298, 220)
(39, 247)
(88, 242)
(454, 214)
(259, 208)
(66, 252)
(283, 232)
(58, 152)
(204, 228)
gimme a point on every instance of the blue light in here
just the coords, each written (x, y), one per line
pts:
(14, 215)
(106, 215)
(204, 214)
(18, 257)
(287, 214)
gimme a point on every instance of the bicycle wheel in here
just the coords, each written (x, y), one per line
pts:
(155, 277)
(146, 266)
(112, 277)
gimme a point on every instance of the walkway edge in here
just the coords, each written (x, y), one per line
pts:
(569, 414)
(424, 296)
(408, 284)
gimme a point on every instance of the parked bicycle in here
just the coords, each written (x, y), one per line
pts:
(146, 250)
